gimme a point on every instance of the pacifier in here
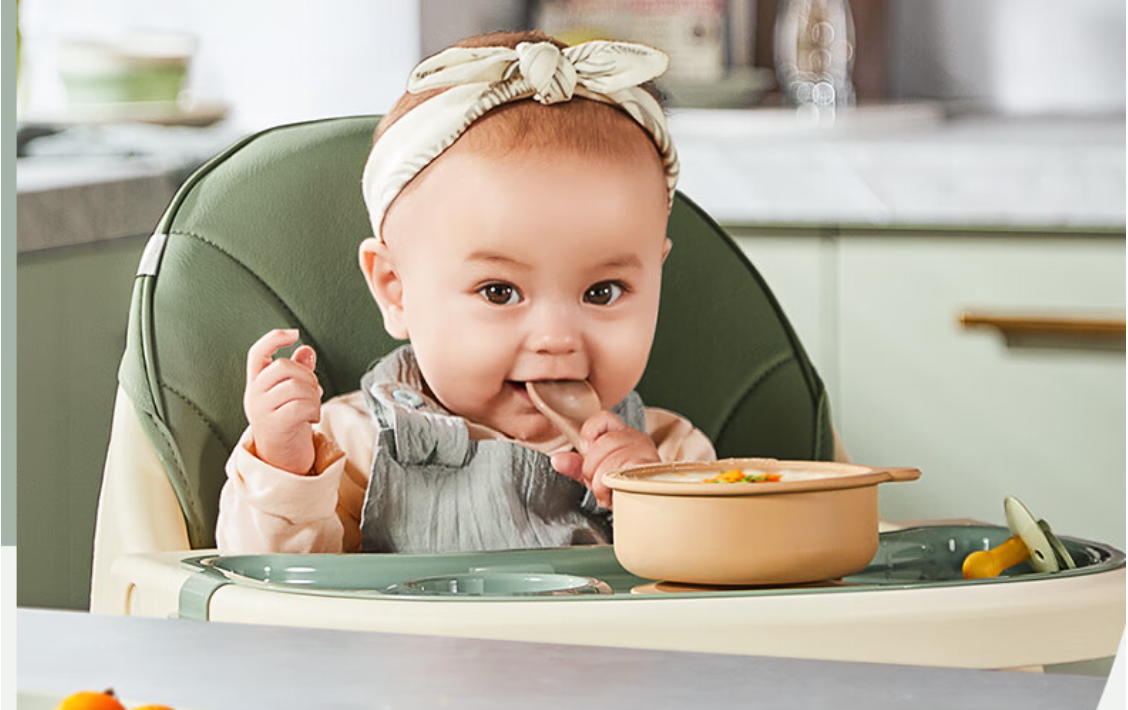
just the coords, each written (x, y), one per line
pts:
(1032, 539)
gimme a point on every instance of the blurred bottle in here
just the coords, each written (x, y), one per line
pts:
(814, 52)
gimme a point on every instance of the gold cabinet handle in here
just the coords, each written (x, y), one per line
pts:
(1021, 329)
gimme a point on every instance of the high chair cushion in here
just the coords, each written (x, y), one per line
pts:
(265, 235)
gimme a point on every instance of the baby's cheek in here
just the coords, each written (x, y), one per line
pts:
(474, 363)
(618, 368)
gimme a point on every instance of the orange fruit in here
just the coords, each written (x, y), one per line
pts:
(90, 700)
(152, 707)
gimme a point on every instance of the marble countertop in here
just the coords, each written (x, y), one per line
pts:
(64, 202)
(888, 167)
(904, 167)
(101, 182)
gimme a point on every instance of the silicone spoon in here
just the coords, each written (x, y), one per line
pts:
(567, 404)
(1033, 540)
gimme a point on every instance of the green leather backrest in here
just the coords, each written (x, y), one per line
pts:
(265, 236)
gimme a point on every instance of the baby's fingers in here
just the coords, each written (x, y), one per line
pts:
(261, 354)
(300, 410)
(285, 405)
(284, 370)
(598, 425)
(305, 356)
(291, 389)
(570, 464)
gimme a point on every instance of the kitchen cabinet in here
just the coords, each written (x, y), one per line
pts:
(980, 418)
(800, 266)
(82, 223)
(879, 313)
(73, 308)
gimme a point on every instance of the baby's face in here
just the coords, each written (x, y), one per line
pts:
(527, 267)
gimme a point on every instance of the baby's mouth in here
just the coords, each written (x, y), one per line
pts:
(519, 388)
(522, 384)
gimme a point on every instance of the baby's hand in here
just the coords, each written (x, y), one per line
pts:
(282, 402)
(609, 445)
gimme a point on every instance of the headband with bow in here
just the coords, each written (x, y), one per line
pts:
(478, 79)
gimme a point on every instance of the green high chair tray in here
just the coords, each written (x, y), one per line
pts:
(919, 557)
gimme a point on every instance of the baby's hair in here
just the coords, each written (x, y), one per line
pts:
(580, 126)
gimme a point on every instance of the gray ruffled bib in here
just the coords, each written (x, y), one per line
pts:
(434, 489)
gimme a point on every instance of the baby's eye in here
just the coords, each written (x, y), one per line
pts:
(604, 293)
(500, 294)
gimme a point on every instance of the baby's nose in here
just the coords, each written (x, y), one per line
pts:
(555, 332)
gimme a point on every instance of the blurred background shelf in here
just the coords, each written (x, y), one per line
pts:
(162, 113)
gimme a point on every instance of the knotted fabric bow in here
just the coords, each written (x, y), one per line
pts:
(478, 79)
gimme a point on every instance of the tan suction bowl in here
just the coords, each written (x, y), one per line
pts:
(818, 522)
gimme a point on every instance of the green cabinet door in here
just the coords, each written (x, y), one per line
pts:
(72, 309)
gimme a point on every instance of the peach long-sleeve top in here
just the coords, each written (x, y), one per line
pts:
(266, 509)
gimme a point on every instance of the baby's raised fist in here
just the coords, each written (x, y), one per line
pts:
(282, 401)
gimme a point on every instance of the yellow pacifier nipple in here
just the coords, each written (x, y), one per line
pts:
(1032, 539)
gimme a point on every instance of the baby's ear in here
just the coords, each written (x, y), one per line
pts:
(385, 285)
(666, 247)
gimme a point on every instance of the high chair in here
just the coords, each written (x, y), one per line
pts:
(265, 236)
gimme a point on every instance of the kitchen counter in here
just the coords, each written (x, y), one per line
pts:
(65, 202)
(97, 183)
(873, 168)
(903, 167)
(218, 666)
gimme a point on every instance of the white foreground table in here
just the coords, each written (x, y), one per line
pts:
(209, 665)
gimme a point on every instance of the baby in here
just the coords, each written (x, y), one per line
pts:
(519, 194)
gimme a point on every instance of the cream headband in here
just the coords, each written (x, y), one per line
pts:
(483, 78)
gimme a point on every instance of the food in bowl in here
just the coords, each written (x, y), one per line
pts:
(818, 521)
(736, 475)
